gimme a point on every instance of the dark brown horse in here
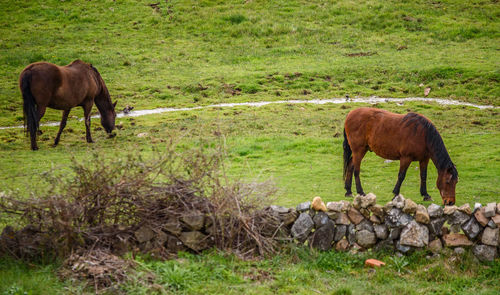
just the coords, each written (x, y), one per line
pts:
(407, 138)
(63, 88)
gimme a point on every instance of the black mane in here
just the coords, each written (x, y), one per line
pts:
(434, 142)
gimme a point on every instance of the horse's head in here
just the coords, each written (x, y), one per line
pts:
(108, 117)
(446, 183)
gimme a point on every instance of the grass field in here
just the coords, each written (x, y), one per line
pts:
(194, 53)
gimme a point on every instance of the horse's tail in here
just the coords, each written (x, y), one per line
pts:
(29, 105)
(347, 154)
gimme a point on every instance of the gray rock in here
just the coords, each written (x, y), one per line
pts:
(302, 227)
(436, 225)
(323, 237)
(492, 224)
(435, 211)
(375, 219)
(342, 219)
(472, 228)
(365, 212)
(398, 201)
(144, 234)
(377, 210)
(490, 236)
(387, 245)
(394, 233)
(477, 206)
(194, 221)
(364, 225)
(484, 252)
(490, 210)
(320, 219)
(415, 235)
(421, 215)
(368, 200)
(280, 209)
(459, 251)
(351, 234)
(458, 217)
(455, 228)
(340, 231)
(465, 208)
(173, 226)
(365, 238)
(435, 246)
(302, 207)
(174, 245)
(404, 220)
(356, 202)
(335, 206)
(289, 217)
(402, 248)
(410, 207)
(392, 217)
(332, 215)
(194, 240)
(448, 210)
(381, 231)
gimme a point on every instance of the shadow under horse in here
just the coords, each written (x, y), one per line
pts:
(407, 138)
(63, 88)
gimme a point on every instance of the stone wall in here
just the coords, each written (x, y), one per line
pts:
(399, 225)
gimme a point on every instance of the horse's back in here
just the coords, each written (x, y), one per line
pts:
(60, 87)
(384, 133)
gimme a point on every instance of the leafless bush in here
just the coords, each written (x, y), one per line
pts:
(107, 199)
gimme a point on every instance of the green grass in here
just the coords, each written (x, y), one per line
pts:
(257, 50)
(298, 146)
(295, 271)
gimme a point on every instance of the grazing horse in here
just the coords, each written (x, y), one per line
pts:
(63, 88)
(407, 138)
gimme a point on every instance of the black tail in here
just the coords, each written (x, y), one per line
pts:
(29, 106)
(347, 154)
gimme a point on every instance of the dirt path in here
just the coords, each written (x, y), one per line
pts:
(371, 100)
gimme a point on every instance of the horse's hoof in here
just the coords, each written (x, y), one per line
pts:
(111, 135)
(428, 198)
(348, 195)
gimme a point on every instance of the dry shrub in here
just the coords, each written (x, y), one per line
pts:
(106, 200)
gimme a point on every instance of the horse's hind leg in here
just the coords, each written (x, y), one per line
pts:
(356, 160)
(40, 112)
(61, 126)
(348, 179)
(86, 111)
(423, 180)
(404, 163)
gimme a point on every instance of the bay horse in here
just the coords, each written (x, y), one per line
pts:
(407, 138)
(45, 85)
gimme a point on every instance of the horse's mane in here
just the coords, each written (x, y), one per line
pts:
(434, 141)
(103, 90)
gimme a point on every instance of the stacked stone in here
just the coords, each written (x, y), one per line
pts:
(401, 225)
(188, 232)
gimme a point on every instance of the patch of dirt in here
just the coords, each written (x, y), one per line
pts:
(358, 54)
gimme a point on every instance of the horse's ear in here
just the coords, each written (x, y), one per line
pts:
(114, 105)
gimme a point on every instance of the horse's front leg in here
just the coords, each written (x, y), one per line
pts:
(61, 126)
(86, 111)
(423, 180)
(404, 163)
